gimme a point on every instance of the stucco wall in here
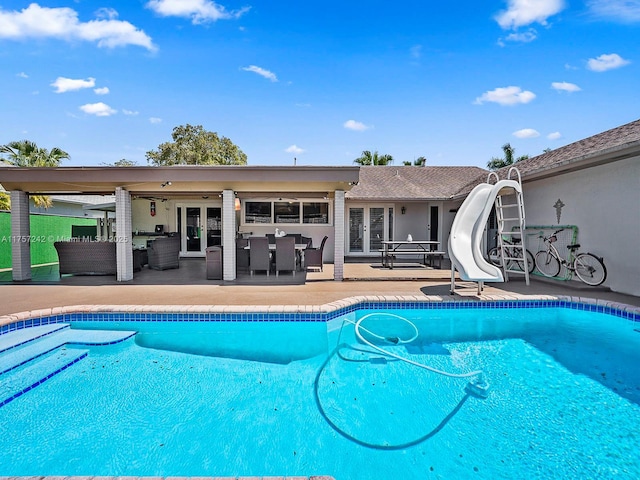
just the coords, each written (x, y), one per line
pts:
(604, 202)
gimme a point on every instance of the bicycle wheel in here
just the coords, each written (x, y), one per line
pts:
(531, 263)
(547, 264)
(519, 264)
(590, 269)
(495, 257)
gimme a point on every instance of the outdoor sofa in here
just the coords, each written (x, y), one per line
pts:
(86, 258)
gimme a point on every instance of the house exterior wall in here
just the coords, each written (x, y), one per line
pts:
(604, 203)
(143, 221)
(414, 221)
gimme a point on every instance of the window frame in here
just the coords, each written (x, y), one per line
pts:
(300, 206)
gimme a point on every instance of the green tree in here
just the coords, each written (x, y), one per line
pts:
(123, 162)
(24, 153)
(5, 201)
(368, 158)
(509, 158)
(418, 162)
(196, 146)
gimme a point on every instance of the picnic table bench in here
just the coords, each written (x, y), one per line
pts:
(427, 249)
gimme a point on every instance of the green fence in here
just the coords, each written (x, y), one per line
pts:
(45, 230)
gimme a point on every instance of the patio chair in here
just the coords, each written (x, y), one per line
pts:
(308, 241)
(285, 254)
(164, 253)
(313, 256)
(259, 254)
(242, 255)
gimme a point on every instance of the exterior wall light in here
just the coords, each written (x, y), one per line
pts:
(403, 210)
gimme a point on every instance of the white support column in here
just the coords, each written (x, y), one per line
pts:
(20, 236)
(228, 235)
(123, 237)
(338, 226)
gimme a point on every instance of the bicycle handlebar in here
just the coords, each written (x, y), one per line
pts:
(553, 234)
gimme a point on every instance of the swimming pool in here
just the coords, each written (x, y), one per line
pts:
(563, 401)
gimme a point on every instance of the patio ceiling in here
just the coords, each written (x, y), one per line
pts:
(179, 180)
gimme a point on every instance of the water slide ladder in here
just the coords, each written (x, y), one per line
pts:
(510, 219)
(469, 226)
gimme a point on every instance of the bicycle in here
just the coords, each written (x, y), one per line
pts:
(588, 267)
(514, 256)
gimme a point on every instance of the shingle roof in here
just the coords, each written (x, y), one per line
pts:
(412, 183)
(611, 145)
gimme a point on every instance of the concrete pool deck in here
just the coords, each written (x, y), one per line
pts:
(361, 279)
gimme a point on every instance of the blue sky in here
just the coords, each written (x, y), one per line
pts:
(318, 81)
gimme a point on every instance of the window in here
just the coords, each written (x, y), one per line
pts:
(286, 212)
(289, 212)
(257, 212)
(316, 212)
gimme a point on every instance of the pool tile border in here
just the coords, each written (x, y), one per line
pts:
(298, 313)
(312, 477)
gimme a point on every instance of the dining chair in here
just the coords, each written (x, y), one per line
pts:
(285, 254)
(242, 255)
(259, 254)
(307, 240)
(313, 256)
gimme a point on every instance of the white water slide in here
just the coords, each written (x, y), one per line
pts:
(467, 232)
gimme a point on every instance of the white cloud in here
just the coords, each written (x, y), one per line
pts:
(101, 90)
(416, 51)
(106, 13)
(554, 136)
(606, 62)
(63, 24)
(63, 84)
(565, 87)
(525, 12)
(506, 96)
(129, 112)
(155, 120)
(22, 75)
(355, 125)
(262, 72)
(294, 149)
(526, 133)
(623, 11)
(98, 109)
(199, 11)
(523, 37)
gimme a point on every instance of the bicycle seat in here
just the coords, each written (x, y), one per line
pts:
(573, 247)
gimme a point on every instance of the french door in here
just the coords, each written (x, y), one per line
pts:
(367, 227)
(199, 226)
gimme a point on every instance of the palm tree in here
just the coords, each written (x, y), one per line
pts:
(509, 158)
(25, 153)
(368, 158)
(418, 162)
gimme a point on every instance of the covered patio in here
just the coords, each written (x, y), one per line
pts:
(202, 206)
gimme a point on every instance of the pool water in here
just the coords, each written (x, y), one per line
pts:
(564, 400)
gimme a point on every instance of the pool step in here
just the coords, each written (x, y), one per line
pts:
(32, 355)
(15, 384)
(27, 335)
(21, 350)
